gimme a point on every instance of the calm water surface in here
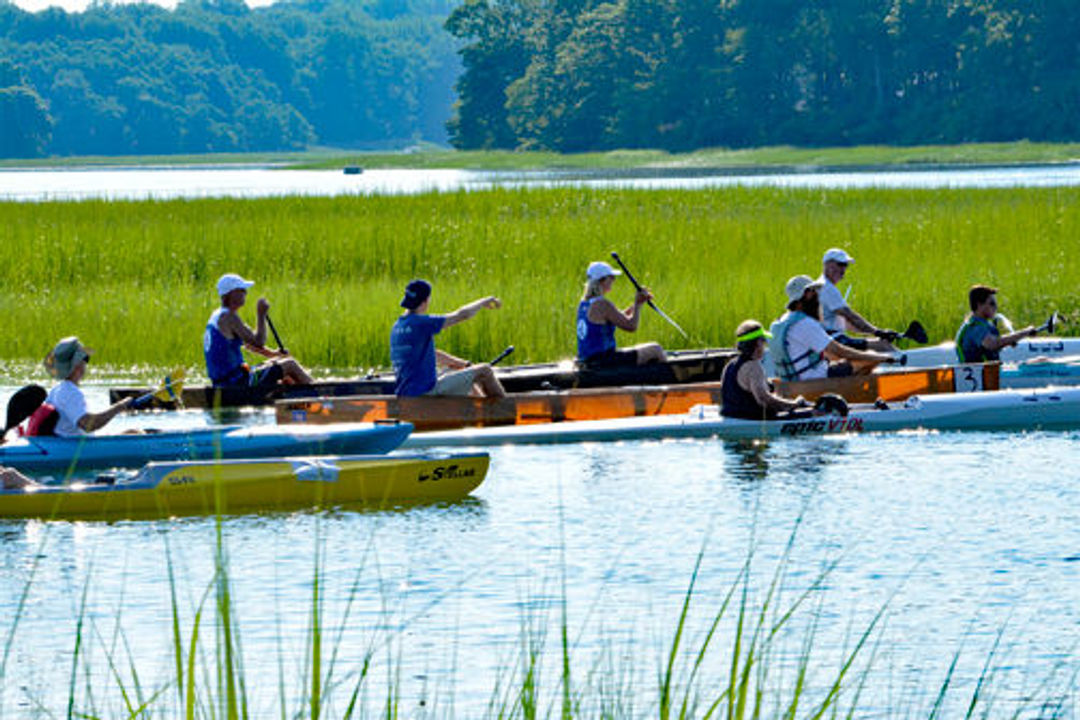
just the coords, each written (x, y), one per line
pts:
(186, 182)
(961, 537)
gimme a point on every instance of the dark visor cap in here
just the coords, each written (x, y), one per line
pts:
(416, 293)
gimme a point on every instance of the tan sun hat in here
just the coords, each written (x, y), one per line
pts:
(64, 358)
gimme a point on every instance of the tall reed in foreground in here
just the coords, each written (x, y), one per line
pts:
(135, 280)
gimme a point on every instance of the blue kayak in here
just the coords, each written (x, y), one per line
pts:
(89, 452)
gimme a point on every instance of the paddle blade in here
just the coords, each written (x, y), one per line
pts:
(915, 331)
(172, 387)
(1050, 325)
(23, 404)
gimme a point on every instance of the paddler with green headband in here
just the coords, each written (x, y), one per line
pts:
(745, 390)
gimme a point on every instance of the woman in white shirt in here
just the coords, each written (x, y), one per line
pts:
(67, 363)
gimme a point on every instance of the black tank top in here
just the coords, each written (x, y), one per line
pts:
(740, 403)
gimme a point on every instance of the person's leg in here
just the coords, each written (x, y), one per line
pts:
(487, 383)
(459, 383)
(294, 372)
(650, 353)
(14, 480)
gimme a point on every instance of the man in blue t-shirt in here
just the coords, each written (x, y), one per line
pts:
(413, 353)
(979, 339)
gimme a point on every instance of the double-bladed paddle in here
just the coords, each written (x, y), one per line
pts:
(1049, 325)
(915, 331)
(22, 405)
(169, 391)
(653, 305)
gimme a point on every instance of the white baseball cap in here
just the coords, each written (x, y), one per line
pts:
(231, 281)
(798, 285)
(600, 270)
(837, 255)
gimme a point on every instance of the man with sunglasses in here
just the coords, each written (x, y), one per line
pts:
(837, 316)
(979, 339)
(800, 347)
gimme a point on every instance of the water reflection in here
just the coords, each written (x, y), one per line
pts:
(750, 461)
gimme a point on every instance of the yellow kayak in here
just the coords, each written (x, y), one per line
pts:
(208, 487)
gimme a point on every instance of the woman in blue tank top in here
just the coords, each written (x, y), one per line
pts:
(597, 319)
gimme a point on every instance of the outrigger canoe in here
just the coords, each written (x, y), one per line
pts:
(685, 366)
(71, 455)
(443, 413)
(201, 488)
(1049, 408)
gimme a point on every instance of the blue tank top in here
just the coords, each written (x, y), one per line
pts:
(224, 361)
(592, 338)
(737, 401)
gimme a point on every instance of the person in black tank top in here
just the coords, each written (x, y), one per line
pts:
(745, 390)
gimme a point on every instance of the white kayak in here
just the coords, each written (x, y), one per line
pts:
(1048, 408)
(1025, 350)
(1064, 371)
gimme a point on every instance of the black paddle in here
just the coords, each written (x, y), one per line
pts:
(277, 338)
(509, 349)
(915, 331)
(1049, 325)
(23, 404)
(631, 278)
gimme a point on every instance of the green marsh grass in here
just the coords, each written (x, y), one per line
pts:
(135, 280)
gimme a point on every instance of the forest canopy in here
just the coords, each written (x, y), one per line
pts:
(573, 75)
(217, 76)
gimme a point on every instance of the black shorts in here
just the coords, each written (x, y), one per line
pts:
(841, 369)
(266, 376)
(612, 358)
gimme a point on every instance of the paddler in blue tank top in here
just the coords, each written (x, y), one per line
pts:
(745, 390)
(979, 339)
(597, 318)
(226, 335)
(415, 359)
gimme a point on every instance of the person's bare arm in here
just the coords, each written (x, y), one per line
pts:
(231, 326)
(996, 343)
(752, 377)
(856, 321)
(95, 421)
(465, 312)
(836, 351)
(452, 362)
(604, 311)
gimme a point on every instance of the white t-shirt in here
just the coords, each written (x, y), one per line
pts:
(831, 301)
(807, 334)
(69, 401)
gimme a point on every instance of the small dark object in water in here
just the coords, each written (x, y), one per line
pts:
(353, 169)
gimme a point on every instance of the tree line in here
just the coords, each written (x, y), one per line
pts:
(217, 76)
(578, 75)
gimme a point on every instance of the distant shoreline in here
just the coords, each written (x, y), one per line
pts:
(869, 156)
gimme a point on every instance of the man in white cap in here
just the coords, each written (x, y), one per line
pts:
(65, 405)
(597, 319)
(226, 335)
(800, 347)
(837, 316)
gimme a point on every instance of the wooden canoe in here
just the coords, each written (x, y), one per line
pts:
(900, 384)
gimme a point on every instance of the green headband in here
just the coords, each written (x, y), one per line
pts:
(761, 332)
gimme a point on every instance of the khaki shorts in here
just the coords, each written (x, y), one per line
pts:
(455, 383)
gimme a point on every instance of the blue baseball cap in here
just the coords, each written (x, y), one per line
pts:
(416, 292)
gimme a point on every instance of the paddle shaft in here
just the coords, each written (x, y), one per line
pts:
(277, 338)
(637, 285)
(509, 349)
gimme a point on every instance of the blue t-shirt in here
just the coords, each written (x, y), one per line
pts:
(412, 352)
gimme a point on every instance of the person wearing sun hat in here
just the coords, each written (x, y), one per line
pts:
(67, 363)
(415, 359)
(745, 390)
(226, 335)
(837, 317)
(800, 347)
(598, 318)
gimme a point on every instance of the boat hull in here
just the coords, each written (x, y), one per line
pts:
(428, 413)
(1050, 408)
(71, 455)
(1025, 350)
(687, 366)
(203, 488)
